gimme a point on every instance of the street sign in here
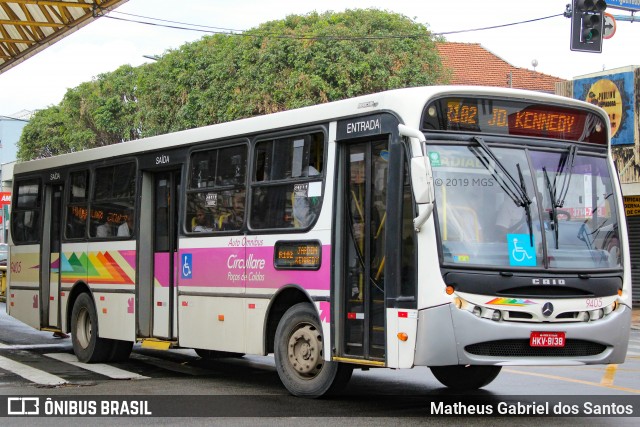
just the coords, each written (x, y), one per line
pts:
(5, 198)
(632, 5)
(609, 26)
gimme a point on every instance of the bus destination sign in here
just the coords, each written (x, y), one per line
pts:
(520, 118)
(297, 255)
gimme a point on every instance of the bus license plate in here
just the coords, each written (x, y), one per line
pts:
(547, 339)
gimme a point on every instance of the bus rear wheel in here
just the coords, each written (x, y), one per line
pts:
(461, 377)
(87, 346)
(299, 355)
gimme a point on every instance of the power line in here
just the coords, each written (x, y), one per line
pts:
(230, 31)
(273, 35)
(444, 33)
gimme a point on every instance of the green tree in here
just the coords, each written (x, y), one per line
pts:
(290, 63)
(51, 132)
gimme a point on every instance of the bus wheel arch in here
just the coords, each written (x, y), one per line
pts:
(285, 298)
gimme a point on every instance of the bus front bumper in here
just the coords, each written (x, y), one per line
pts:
(447, 335)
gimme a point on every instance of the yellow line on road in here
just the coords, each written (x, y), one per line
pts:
(573, 380)
(609, 375)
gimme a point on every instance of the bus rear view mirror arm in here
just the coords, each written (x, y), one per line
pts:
(421, 175)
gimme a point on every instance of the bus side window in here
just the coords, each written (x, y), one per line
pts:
(78, 205)
(216, 192)
(25, 221)
(287, 182)
(113, 200)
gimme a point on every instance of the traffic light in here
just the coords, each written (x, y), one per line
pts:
(587, 25)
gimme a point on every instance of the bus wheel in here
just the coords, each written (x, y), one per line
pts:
(462, 377)
(299, 355)
(87, 346)
(214, 354)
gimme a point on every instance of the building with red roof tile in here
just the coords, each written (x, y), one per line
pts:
(472, 64)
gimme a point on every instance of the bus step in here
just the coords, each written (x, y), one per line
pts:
(157, 344)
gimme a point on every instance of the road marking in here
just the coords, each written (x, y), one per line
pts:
(609, 375)
(572, 380)
(98, 368)
(33, 346)
(32, 374)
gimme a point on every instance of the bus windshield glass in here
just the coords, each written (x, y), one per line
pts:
(524, 208)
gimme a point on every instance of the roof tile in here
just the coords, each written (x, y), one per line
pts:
(472, 64)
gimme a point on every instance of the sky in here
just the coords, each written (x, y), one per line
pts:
(106, 44)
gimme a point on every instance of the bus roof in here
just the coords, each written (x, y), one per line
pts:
(407, 102)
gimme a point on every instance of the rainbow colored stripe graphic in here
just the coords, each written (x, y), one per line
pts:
(516, 302)
(114, 268)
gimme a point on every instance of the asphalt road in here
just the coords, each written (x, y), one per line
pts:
(247, 391)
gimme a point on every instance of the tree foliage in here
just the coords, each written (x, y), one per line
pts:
(291, 63)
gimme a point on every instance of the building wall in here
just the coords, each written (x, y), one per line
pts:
(10, 131)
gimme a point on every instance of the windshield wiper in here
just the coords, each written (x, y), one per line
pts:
(571, 157)
(527, 206)
(517, 192)
(552, 196)
(557, 199)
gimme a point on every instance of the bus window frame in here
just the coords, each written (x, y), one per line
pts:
(187, 188)
(67, 202)
(253, 183)
(38, 178)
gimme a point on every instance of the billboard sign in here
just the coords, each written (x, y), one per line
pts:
(615, 93)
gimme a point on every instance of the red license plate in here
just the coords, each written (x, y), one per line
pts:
(547, 339)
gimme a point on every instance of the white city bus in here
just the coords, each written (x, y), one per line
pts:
(459, 228)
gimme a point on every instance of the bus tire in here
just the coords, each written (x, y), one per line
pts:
(88, 347)
(299, 357)
(461, 377)
(215, 354)
(120, 350)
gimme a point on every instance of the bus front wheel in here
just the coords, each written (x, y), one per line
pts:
(461, 377)
(87, 346)
(299, 355)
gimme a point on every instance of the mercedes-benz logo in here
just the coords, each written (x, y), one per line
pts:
(547, 309)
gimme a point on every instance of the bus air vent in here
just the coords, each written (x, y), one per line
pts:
(521, 348)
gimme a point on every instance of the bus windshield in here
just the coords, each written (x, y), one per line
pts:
(535, 208)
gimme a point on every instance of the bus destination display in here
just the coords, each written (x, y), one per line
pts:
(298, 255)
(514, 118)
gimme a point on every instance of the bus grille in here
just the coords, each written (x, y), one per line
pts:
(521, 348)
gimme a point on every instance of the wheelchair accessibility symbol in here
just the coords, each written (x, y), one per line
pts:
(186, 266)
(521, 252)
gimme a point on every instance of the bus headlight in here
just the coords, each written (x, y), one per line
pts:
(596, 314)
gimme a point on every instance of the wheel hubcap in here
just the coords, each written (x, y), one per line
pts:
(305, 351)
(84, 328)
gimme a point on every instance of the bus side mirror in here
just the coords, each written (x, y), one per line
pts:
(422, 180)
(423, 191)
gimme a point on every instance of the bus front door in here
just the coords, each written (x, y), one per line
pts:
(50, 258)
(363, 211)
